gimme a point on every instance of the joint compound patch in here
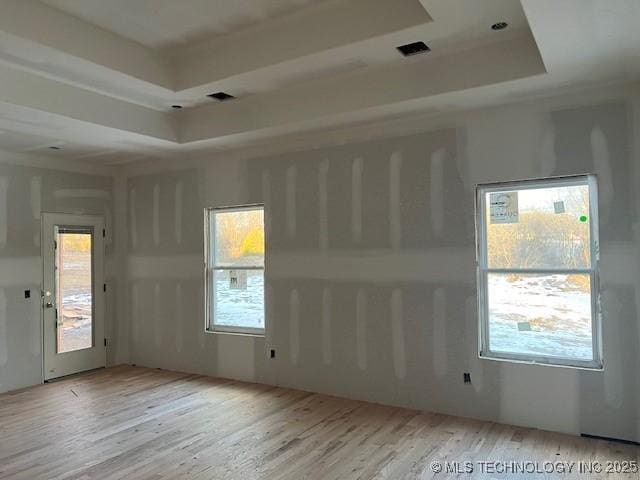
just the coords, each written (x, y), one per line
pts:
(504, 207)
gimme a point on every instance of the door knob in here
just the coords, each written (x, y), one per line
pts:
(48, 305)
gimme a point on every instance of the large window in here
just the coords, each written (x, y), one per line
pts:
(235, 269)
(538, 271)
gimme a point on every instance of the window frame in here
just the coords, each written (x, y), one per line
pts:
(483, 271)
(210, 268)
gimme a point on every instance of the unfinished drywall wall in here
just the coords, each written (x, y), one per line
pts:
(371, 287)
(26, 192)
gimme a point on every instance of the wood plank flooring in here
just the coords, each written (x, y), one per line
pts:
(139, 423)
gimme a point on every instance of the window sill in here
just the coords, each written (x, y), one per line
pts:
(589, 366)
(236, 333)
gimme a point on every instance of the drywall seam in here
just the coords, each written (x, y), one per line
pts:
(450, 265)
(361, 329)
(266, 198)
(323, 173)
(108, 224)
(356, 200)
(395, 232)
(4, 186)
(291, 201)
(35, 329)
(156, 215)
(439, 332)
(36, 196)
(461, 160)
(178, 211)
(614, 384)
(270, 324)
(154, 267)
(327, 351)
(132, 218)
(178, 318)
(35, 188)
(602, 166)
(201, 335)
(82, 193)
(442, 265)
(135, 314)
(4, 353)
(397, 334)
(294, 325)
(547, 161)
(120, 236)
(436, 192)
(471, 333)
(157, 316)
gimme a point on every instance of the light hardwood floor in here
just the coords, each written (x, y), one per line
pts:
(132, 422)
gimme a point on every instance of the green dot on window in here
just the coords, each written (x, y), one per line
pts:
(583, 218)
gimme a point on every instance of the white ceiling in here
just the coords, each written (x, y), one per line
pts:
(168, 23)
(98, 77)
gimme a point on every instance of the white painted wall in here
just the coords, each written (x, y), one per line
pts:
(370, 263)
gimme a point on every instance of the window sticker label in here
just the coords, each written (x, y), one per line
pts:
(237, 279)
(503, 207)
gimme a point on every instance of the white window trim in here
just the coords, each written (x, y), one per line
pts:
(210, 268)
(593, 270)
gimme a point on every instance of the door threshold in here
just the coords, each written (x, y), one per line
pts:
(71, 375)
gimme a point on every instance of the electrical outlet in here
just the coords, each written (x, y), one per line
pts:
(272, 354)
(27, 294)
(466, 376)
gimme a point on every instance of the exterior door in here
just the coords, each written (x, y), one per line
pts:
(73, 296)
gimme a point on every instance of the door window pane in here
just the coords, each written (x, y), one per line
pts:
(74, 290)
(543, 315)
